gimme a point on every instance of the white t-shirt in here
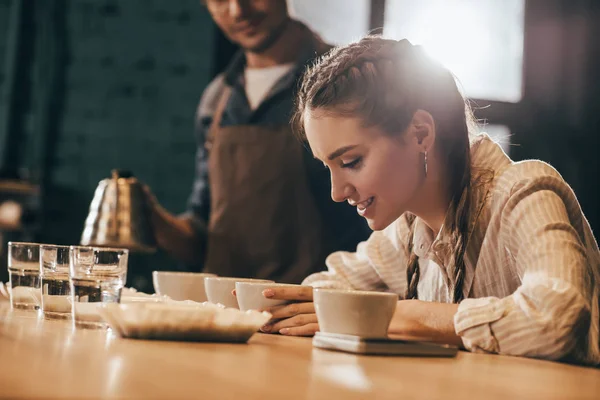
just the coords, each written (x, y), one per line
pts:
(260, 80)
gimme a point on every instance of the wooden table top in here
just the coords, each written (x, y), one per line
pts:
(49, 359)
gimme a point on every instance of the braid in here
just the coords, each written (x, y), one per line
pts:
(413, 272)
(460, 227)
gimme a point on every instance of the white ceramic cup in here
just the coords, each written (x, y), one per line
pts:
(250, 295)
(353, 312)
(180, 285)
(218, 289)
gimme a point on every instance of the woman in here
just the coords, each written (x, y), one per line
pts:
(488, 254)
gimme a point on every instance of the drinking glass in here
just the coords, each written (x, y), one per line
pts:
(54, 273)
(97, 276)
(24, 275)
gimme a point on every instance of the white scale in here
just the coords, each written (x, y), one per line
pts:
(382, 346)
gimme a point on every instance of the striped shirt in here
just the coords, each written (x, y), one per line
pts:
(532, 265)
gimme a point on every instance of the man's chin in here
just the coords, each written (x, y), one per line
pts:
(258, 45)
(264, 40)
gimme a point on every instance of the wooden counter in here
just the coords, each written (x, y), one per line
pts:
(49, 359)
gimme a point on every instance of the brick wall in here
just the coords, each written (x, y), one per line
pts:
(4, 15)
(135, 72)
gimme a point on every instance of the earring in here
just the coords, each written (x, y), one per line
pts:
(425, 162)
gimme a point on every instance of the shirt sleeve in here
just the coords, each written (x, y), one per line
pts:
(549, 314)
(377, 264)
(199, 200)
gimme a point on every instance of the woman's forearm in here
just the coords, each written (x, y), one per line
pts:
(427, 321)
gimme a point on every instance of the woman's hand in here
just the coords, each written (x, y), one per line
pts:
(295, 319)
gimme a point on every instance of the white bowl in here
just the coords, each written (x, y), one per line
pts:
(180, 285)
(353, 312)
(182, 321)
(218, 290)
(250, 297)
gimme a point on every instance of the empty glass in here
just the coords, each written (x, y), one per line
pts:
(96, 276)
(54, 272)
(24, 275)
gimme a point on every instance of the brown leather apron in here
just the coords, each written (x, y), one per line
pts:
(264, 222)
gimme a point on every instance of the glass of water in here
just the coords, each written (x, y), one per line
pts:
(54, 272)
(96, 276)
(24, 275)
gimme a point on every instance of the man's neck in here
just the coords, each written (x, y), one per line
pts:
(283, 51)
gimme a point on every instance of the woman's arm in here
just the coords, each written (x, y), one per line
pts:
(548, 316)
(425, 321)
(378, 263)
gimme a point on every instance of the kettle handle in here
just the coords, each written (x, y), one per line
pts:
(114, 224)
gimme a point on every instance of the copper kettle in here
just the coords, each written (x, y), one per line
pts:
(119, 215)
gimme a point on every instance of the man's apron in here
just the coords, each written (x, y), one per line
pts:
(264, 222)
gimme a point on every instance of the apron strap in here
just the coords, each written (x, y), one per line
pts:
(217, 117)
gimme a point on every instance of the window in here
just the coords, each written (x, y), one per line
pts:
(337, 21)
(480, 41)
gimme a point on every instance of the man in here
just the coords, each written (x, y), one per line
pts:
(260, 204)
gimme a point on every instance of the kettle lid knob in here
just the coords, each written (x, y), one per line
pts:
(121, 173)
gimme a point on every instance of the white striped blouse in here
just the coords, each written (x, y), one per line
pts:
(532, 272)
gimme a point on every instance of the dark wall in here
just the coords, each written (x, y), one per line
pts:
(4, 17)
(132, 76)
(136, 71)
(559, 120)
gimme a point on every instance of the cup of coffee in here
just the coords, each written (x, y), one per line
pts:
(250, 295)
(219, 289)
(180, 285)
(353, 312)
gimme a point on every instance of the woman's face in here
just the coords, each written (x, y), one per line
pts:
(376, 172)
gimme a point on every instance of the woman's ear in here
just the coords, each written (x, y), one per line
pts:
(421, 130)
